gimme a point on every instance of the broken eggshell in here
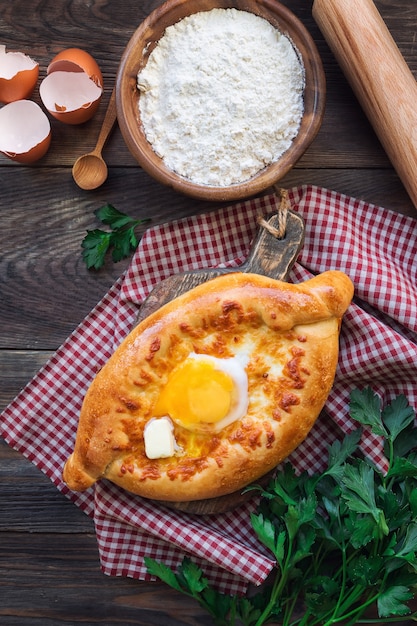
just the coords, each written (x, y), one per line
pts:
(72, 89)
(25, 131)
(18, 75)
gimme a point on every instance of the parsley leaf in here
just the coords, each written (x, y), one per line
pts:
(408, 546)
(392, 601)
(365, 408)
(163, 572)
(344, 539)
(121, 240)
(358, 489)
(397, 416)
(95, 246)
(266, 533)
(192, 577)
(107, 214)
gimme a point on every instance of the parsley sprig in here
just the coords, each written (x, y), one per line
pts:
(344, 539)
(121, 240)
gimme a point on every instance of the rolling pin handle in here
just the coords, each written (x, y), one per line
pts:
(379, 76)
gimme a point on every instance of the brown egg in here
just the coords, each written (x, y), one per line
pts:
(72, 89)
(18, 75)
(25, 131)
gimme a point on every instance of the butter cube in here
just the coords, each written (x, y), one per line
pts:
(159, 438)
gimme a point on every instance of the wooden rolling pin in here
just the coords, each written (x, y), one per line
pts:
(379, 76)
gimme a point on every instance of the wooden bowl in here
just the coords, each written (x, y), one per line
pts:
(135, 57)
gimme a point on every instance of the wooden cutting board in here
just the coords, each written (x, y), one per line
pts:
(270, 256)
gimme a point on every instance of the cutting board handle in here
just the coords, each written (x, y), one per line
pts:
(379, 76)
(268, 255)
(271, 255)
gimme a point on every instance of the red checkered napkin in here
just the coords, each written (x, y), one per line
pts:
(378, 347)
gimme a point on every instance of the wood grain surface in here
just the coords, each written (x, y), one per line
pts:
(49, 568)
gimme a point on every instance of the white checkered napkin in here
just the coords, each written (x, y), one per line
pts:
(222, 545)
(376, 248)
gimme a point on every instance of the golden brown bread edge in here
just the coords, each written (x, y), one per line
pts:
(102, 445)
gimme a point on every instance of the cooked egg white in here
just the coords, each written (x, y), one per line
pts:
(205, 393)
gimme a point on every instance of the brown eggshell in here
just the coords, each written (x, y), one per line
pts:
(25, 131)
(18, 75)
(72, 89)
(75, 59)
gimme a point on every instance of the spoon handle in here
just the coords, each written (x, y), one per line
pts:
(108, 122)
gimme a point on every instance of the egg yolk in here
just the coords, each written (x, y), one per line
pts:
(196, 393)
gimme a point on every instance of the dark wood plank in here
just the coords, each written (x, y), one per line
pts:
(65, 586)
(49, 568)
(16, 369)
(28, 497)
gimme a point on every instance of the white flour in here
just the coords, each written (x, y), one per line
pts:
(221, 96)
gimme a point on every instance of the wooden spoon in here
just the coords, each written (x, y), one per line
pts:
(90, 170)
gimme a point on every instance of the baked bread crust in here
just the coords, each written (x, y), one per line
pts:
(292, 334)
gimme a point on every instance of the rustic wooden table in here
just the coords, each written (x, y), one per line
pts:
(49, 567)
